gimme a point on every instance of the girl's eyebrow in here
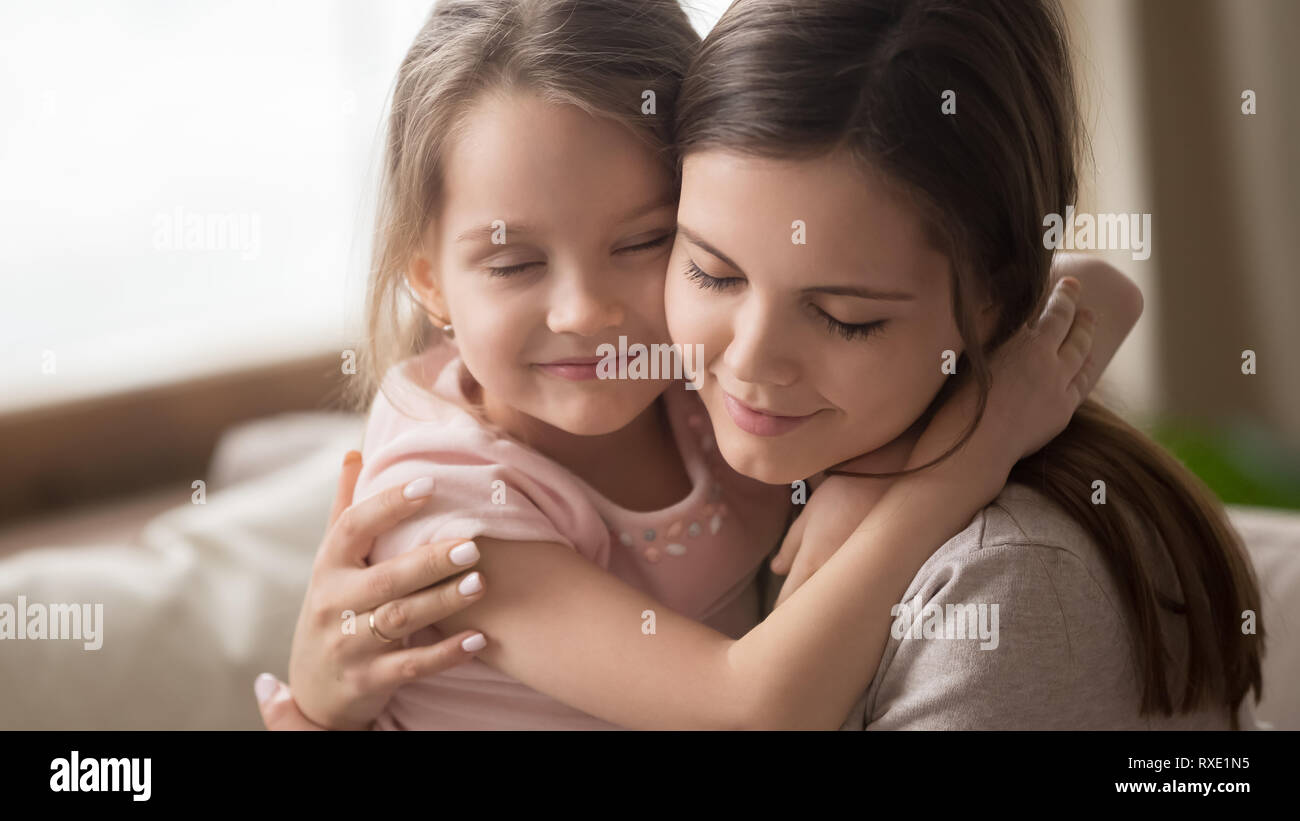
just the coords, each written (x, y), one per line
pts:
(648, 208)
(487, 230)
(833, 290)
(522, 229)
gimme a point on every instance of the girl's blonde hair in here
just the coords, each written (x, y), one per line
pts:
(604, 56)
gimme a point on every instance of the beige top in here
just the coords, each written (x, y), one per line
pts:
(1054, 654)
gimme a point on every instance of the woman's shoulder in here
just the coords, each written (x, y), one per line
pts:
(1023, 529)
(1020, 614)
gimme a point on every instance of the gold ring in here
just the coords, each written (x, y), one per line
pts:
(375, 630)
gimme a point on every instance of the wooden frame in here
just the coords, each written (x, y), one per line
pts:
(88, 451)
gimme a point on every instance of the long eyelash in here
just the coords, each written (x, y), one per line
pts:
(851, 332)
(696, 275)
(842, 329)
(654, 243)
(508, 270)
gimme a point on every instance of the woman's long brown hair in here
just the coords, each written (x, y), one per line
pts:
(800, 78)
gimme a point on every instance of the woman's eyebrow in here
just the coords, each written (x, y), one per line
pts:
(695, 238)
(863, 293)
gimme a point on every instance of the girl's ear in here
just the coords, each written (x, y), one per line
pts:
(422, 281)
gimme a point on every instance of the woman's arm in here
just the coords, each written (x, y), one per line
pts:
(572, 631)
(342, 673)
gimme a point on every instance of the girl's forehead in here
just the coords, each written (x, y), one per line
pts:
(520, 152)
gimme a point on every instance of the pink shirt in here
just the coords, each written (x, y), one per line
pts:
(700, 556)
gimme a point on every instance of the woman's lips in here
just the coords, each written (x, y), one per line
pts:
(757, 422)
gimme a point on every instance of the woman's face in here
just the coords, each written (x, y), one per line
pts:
(554, 231)
(822, 311)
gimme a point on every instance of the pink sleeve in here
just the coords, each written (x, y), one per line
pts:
(482, 486)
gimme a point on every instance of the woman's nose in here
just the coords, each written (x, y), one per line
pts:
(759, 352)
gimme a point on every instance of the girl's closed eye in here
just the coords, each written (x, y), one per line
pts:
(509, 270)
(519, 268)
(657, 242)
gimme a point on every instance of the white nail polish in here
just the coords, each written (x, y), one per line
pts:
(470, 584)
(265, 686)
(420, 487)
(463, 554)
(473, 643)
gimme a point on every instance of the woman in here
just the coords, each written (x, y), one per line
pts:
(1119, 583)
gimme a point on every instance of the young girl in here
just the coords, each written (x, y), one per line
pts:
(531, 254)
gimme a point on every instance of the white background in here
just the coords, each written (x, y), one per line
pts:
(114, 115)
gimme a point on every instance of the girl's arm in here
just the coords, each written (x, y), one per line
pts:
(570, 630)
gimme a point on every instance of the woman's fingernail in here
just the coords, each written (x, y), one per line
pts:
(264, 687)
(419, 488)
(470, 584)
(350, 457)
(463, 554)
(473, 643)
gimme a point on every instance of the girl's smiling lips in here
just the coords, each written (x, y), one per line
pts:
(575, 368)
(760, 423)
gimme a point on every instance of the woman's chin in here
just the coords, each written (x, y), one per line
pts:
(773, 466)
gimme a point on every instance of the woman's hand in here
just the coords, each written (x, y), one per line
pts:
(341, 669)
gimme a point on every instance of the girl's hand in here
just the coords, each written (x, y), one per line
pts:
(1040, 377)
(341, 678)
(833, 512)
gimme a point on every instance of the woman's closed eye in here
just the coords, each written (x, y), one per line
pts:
(711, 283)
(844, 330)
(850, 330)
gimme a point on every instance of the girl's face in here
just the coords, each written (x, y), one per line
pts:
(815, 351)
(552, 239)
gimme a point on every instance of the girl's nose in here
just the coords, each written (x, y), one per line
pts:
(584, 306)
